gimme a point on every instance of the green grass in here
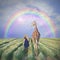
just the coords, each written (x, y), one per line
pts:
(31, 55)
(9, 52)
(18, 54)
(13, 49)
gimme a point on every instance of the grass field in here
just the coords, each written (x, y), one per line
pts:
(13, 49)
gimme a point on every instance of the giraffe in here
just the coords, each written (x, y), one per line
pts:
(35, 35)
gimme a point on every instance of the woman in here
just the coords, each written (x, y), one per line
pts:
(26, 44)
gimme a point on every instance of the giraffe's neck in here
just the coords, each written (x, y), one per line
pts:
(36, 29)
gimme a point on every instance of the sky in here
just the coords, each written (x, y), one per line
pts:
(10, 7)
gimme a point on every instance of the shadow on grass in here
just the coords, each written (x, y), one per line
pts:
(9, 56)
(25, 51)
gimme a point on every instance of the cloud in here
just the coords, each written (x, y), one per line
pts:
(44, 6)
(17, 4)
(9, 7)
(58, 18)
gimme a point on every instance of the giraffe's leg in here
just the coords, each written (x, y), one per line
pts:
(34, 45)
(32, 41)
(36, 48)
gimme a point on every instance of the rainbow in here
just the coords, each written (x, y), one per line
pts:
(29, 11)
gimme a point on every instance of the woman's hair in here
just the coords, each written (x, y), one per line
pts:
(26, 37)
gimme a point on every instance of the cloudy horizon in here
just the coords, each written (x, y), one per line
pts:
(9, 7)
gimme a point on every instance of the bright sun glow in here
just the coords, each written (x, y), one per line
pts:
(20, 20)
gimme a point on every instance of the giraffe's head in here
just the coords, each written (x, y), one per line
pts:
(34, 23)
